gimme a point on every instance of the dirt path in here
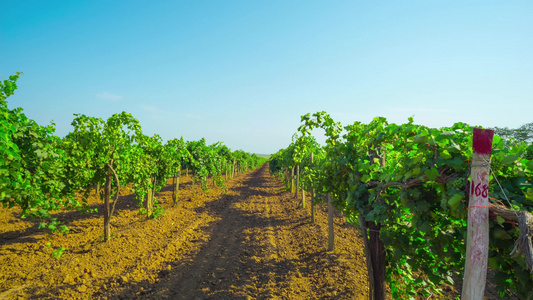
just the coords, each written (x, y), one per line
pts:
(251, 242)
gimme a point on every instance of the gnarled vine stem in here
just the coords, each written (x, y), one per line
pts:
(110, 166)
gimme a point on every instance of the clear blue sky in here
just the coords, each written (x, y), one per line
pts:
(243, 72)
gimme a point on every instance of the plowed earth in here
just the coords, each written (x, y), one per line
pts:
(249, 241)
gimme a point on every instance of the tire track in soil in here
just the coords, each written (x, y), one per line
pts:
(262, 247)
(228, 266)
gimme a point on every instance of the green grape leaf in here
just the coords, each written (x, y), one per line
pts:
(501, 234)
(454, 201)
(493, 263)
(455, 162)
(425, 227)
(445, 154)
(422, 206)
(509, 159)
(432, 173)
(500, 220)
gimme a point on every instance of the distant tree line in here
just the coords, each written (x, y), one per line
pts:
(523, 133)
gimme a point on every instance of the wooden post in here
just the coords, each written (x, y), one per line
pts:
(177, 188)
(297, 181)
(292, 180)
(377, 256)
(312, 198)
(477, 243)
(193, 182)
(331, 233)
(107, 209)
(303, 196)
(364, 233)
(375, 248)
(150, 198)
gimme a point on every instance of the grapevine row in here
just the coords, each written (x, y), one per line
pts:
(406, 187)
(40, 172)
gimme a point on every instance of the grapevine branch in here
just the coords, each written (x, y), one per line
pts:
(525, 219)
(118, 187)
(415, 181)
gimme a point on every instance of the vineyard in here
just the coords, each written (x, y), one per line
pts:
(107, 212)
(407, 188)
(247, 242)
(42, 172)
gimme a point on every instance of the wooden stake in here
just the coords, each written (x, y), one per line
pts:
(331, 233)
(107, 210)
(286, 178)
(297, 181)
(292, 179)
(312, 198)
(303, 196)
(364, 233)
(477, 243)
(177, 187)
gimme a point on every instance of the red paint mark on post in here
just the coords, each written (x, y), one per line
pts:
(482, 142)
(478, 250)
(479, 190)
(482, 185)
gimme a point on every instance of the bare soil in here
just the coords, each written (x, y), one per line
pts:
(248, 241)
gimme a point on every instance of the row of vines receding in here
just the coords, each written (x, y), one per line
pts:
(41, 173)
(406, 187)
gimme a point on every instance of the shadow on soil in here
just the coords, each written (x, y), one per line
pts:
(125, 202)
(21, 236)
